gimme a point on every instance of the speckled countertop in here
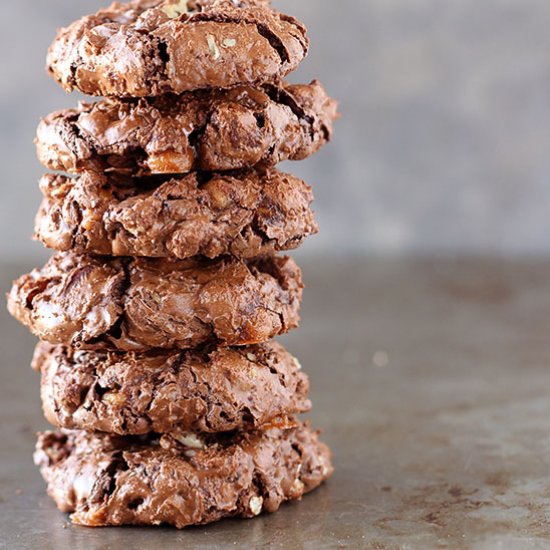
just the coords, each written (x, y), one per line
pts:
(431, 380)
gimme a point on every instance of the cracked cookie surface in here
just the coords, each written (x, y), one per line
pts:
(105, 480)
(245, 214)
(128, 304)
(154, 47)
(209, 131)
(217, 390)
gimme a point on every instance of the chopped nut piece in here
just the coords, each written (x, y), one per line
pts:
(79, 355)
(190, 440)
(229, 42)
(297, 363)
(175, 9)
(298, 487)
(213, 46)
(251, 357)
(256, 505)
(170, 162)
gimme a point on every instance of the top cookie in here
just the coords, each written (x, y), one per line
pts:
(153, 47)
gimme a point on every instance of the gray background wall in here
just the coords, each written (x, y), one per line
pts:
(444, 144)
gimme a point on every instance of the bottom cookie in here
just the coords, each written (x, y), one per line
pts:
(108, 480)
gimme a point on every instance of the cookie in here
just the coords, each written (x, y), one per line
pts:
(209, 131)
(130, 304)
(107, 480)
(154, 47)
(170, 392)
(244, 214)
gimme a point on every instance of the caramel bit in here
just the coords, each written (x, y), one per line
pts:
(113, 398)
(175, 8)
(91, 518)
(169, 162)
(88, 225)
(281, 423)
(218, 197)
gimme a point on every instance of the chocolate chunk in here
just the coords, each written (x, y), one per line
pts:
(108, 480)
(153, 47)
(245, 214)
(132, 304)
(217, 390)
(208, 131)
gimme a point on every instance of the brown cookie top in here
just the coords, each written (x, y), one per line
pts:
(132, 304)
(208, 131)
(243, 214)
(107, 480)
(210, 391)
(153, 47)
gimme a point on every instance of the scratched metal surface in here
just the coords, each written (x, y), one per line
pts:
(431, 380)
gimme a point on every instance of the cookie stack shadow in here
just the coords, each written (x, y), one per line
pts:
(158, 310)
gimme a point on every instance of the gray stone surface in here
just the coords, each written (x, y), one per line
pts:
(445, 136)
(431, 382)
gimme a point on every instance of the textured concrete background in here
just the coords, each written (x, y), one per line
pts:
(445, 140)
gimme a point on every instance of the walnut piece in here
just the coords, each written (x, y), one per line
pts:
(174, 9)
(256, 505)
(190, 440)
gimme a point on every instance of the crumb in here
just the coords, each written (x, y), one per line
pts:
(380, 359)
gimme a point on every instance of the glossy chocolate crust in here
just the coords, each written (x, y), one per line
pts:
(171, 392)
(244, 214)
(132, 304)
(208, 131)
(106, 480)
(154, 47)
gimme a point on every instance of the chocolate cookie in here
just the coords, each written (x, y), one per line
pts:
(170, 392)
(153, 47)
(245, 214)
(132, 304)
(108, 480)
(208, 131)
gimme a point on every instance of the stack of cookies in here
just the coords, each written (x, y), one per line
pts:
(157, 312)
